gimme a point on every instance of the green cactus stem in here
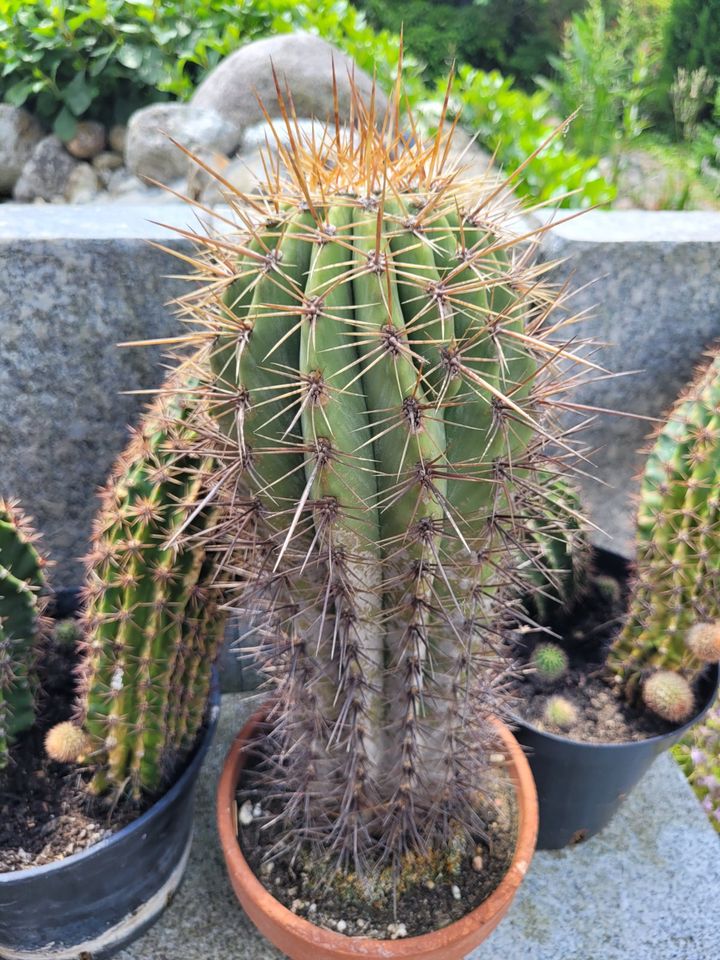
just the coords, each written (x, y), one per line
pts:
(676, 594)
(385, 359)
(669, 695)
(151, 623)
(560, 713)
(21, 584)
(550, 662)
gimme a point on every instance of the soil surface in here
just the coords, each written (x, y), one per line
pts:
(586, 633)
(46, 813)
(423, 906)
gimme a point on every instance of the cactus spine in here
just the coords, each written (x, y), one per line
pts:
(151, 621)
(21, 583)
(677, 587)
(383, 359)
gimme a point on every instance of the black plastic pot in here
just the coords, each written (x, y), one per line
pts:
(95, 902)
(581, 785)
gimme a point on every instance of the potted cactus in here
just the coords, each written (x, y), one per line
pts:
(384, 362)
(148, 633)
(654, 663)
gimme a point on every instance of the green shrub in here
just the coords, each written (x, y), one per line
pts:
(106, 58)
(692, 37)
(514, 124)
(606, 70)
(489, 34)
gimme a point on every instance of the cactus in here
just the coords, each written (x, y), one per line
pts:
(560, 713)
(559, 548)
(674, 612)
(21, 583)
(550, 662)
(384, 358)
(669, 695)
(151, 623)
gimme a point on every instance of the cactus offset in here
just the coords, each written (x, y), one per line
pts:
(560, 712)
(21, 583)
(151, 620)
(384, 358)
(677, 587)
(550, 662)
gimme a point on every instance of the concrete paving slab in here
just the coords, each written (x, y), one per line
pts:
(647, 888)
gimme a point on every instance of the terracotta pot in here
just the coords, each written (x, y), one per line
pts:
(301, 940)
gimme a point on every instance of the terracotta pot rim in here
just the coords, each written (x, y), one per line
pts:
(495, 904)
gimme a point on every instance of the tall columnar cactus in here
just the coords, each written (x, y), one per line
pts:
(674, 617)
(21, 583)
(384, 359)
(151, 622)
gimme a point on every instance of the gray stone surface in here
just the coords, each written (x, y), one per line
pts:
(46, 173)
(302, 61)
(646, 888)
(651, 282)
(149, 152)
(73, 283)
(19, 133)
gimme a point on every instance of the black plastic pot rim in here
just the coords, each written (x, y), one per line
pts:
(629, 744)
(178, 787)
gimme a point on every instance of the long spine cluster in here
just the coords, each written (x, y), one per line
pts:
(384, 363)
(21, 583)
(676, 595)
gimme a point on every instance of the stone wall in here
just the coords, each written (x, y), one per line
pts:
(76, 281)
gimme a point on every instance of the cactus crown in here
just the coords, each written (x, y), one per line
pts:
(21, 583)
(550, 662)
(677, 586)
(385, 359)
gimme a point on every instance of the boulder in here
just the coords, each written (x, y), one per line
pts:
(46, 173)
(245, 173)
(89, 140)
(117, 137)
(19, 135)
(149, 152)
(303, 63)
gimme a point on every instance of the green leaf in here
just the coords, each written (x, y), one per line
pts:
(64, 125)
(78, 95)
(17, 94)
(130, 56)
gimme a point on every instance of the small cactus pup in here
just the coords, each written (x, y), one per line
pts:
(550, 663)
(151, 624)
(386, 358)
(22, 582)
(560, 713)
(673, 624)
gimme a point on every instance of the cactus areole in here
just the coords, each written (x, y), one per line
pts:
(385, 359)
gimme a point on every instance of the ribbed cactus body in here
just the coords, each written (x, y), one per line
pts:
(21, 581)
(384, 356)
(677, 584)
(151, 621)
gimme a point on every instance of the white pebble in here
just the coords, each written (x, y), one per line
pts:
(312, 908)
(341, 926)
(296, 905)
(429, 884)
(455, 891)
(397, 931)
(245, 816)
(267, 868)
(478, 863)
(257, 810)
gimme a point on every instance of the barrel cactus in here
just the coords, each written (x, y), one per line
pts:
(21, 584)
(674, 616)
(151, 622)
(385, 360)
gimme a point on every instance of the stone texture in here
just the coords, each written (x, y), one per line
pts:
(117, 137)
(89, 140)
(73, 283)
(82, 185)
(245, 173)
(19, 134)
(46, 173)
(301, 60)
(650, 281)
(149, 152)
(645, 888)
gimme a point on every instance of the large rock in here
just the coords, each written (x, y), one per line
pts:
(19, 135)
(302, 61)
(149, 152)
(89, 140)
(45, 175)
